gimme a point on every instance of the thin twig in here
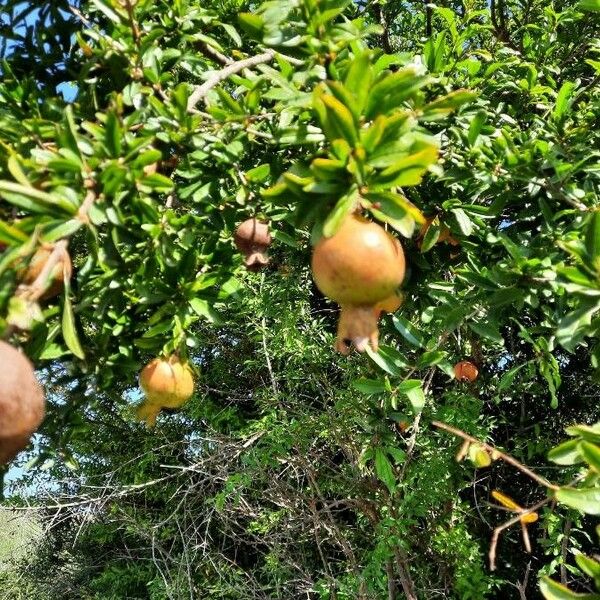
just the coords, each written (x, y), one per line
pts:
(501, 528)
(564, 547)
(492, 449)
(200, 91)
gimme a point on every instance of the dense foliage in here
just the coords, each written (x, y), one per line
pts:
(135, 135)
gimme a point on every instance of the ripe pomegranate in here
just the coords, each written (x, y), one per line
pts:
(55, 282)
(465, 371)
(167, 383)
(21, 402)
(252, 238)
(360, 268)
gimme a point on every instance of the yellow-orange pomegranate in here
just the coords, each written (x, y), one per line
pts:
(465, 371)
(360, 268)
(167, 383)
(252, 238)
(22, 402)
(360, 265)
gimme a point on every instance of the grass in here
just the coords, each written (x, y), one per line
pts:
(18, 535)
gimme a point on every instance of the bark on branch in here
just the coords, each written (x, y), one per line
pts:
(235, 67)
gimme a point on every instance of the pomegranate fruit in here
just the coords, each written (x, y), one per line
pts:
(361, 264)
(21, 402)
(54, 284)
(465, 371)
(360, 268)
(252, 238)
(167, 383)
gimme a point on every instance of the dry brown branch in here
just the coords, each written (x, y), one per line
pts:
(495, 452)
(408, 587)
(509, 523)
(564, 547)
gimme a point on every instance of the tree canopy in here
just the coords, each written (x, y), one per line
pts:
(459, 457)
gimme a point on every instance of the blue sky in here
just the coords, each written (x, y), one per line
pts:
(68, 90)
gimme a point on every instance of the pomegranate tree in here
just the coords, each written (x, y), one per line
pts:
(167, 383)
(360, 267)
(21, 402)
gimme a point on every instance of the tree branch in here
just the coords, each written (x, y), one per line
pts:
(501, 528)
(231, 69)
(505, 457)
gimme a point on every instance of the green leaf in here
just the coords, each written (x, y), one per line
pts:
(588, 565)
(344, 206)
(14, 166)
(233, 34)
(389, 92)
(369, 386)
(328, 168)
(69, 330)
(443, 106)
(104, 7)
(203, 309)
(259, 173)
(388, 358)
(566, 453)
(384, 470)
(434, 50)
(589, 5)
(358, 79)
(341, 118)
(252, 24)
(508, 377)
(575, 325)
(413, 390)
(552, 590)
(591, 433)
(464, 222)
(591, 454)
(397, 454)
(112, 137)
(34, 200)
(429, 359)
(488, 331)
(396, 210)
(475, 127)
(432, 235)
(592, 240)
(11, 235)
(586, 500)
(408, 170)
(563, 100)
(408, 331)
